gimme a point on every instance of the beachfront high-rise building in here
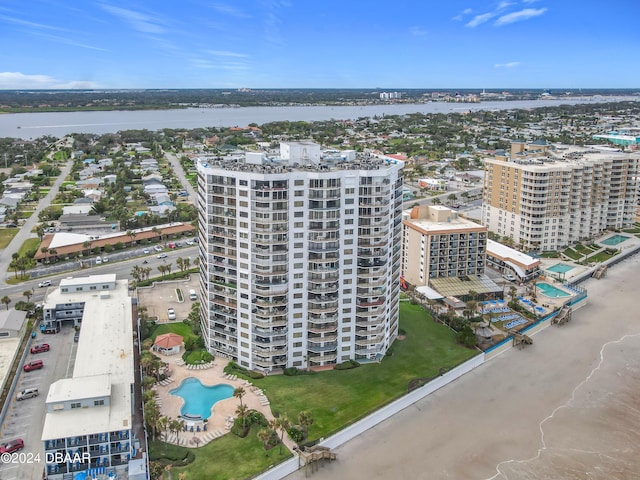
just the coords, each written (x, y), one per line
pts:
(444, 252)
(546, 197)
(300, 256)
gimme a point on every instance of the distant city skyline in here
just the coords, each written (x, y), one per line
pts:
(52, 44)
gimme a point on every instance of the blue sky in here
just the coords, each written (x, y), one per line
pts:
(319, 44)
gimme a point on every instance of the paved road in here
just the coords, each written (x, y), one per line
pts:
(25, 231)
(179, 172)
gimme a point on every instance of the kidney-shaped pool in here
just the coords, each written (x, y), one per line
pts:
(198, 398)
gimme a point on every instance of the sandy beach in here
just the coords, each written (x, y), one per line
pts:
(567, 407)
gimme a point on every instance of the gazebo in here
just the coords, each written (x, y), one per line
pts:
(168, 344)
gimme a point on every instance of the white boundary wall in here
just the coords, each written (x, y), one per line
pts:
(379, 416)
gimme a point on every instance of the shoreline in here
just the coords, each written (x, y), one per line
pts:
(522, 406)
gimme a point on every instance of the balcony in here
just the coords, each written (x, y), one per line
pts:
(313, 327)
(317, 348)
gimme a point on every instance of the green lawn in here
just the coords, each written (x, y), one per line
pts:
(178, 328)
(602, 256)
(572, 254)
(29, 244)
(228, 458)
(337, 398)
(6, 235)
(334, 398)
(198, 356)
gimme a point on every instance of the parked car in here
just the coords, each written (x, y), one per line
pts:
(162, 255)
(34, 365)
(98, 261)
(105, 259)
(189, 242)
(51, 330)
(45, 283)
(171, 313)
(171, 245)
(12, 446)
(27, 393)
(76, 337)
(158, 248)
(508, 276)
(146, 251)
(42, 347)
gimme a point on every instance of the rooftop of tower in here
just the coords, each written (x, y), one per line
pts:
(560, 154)
(300, 157)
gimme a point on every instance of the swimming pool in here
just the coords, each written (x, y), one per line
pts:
(560, 268)
(551, 291)
(614, 240)
(198, 398)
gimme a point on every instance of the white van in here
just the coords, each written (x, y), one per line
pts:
(193, 295)
(98, 261)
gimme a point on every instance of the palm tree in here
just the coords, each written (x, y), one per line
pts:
(132, 235)
(283, 424)
(151, 416)
(87, 244)
(176, 427)
(239, 393)
(264, 435)
(242, 411)
(28, 294)
(305, 420)
(157, 231)
(163, 426)
(6, 300)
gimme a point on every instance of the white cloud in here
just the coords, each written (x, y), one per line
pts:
(139, 21)
(417, 31)
(26, 23)
(524, 14)
(480, 19)
(460, 16)
(228, 10)
(507, 65)
(21, 81)
(217, 65)
(222, 53)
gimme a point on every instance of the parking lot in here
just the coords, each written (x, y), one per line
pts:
(25, 418)
(161, 296)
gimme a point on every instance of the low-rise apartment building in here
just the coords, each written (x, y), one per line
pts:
(88, 426)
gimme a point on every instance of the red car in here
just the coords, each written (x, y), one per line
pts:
(43, 347)
(35, 365)
(12, 446)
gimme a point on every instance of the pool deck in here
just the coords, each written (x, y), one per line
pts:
(170, 405)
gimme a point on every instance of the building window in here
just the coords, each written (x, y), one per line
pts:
(98, 403)
(76, 405)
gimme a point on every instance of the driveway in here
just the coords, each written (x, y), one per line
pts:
(163, 295)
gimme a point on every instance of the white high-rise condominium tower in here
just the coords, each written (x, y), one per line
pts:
(299, 257)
